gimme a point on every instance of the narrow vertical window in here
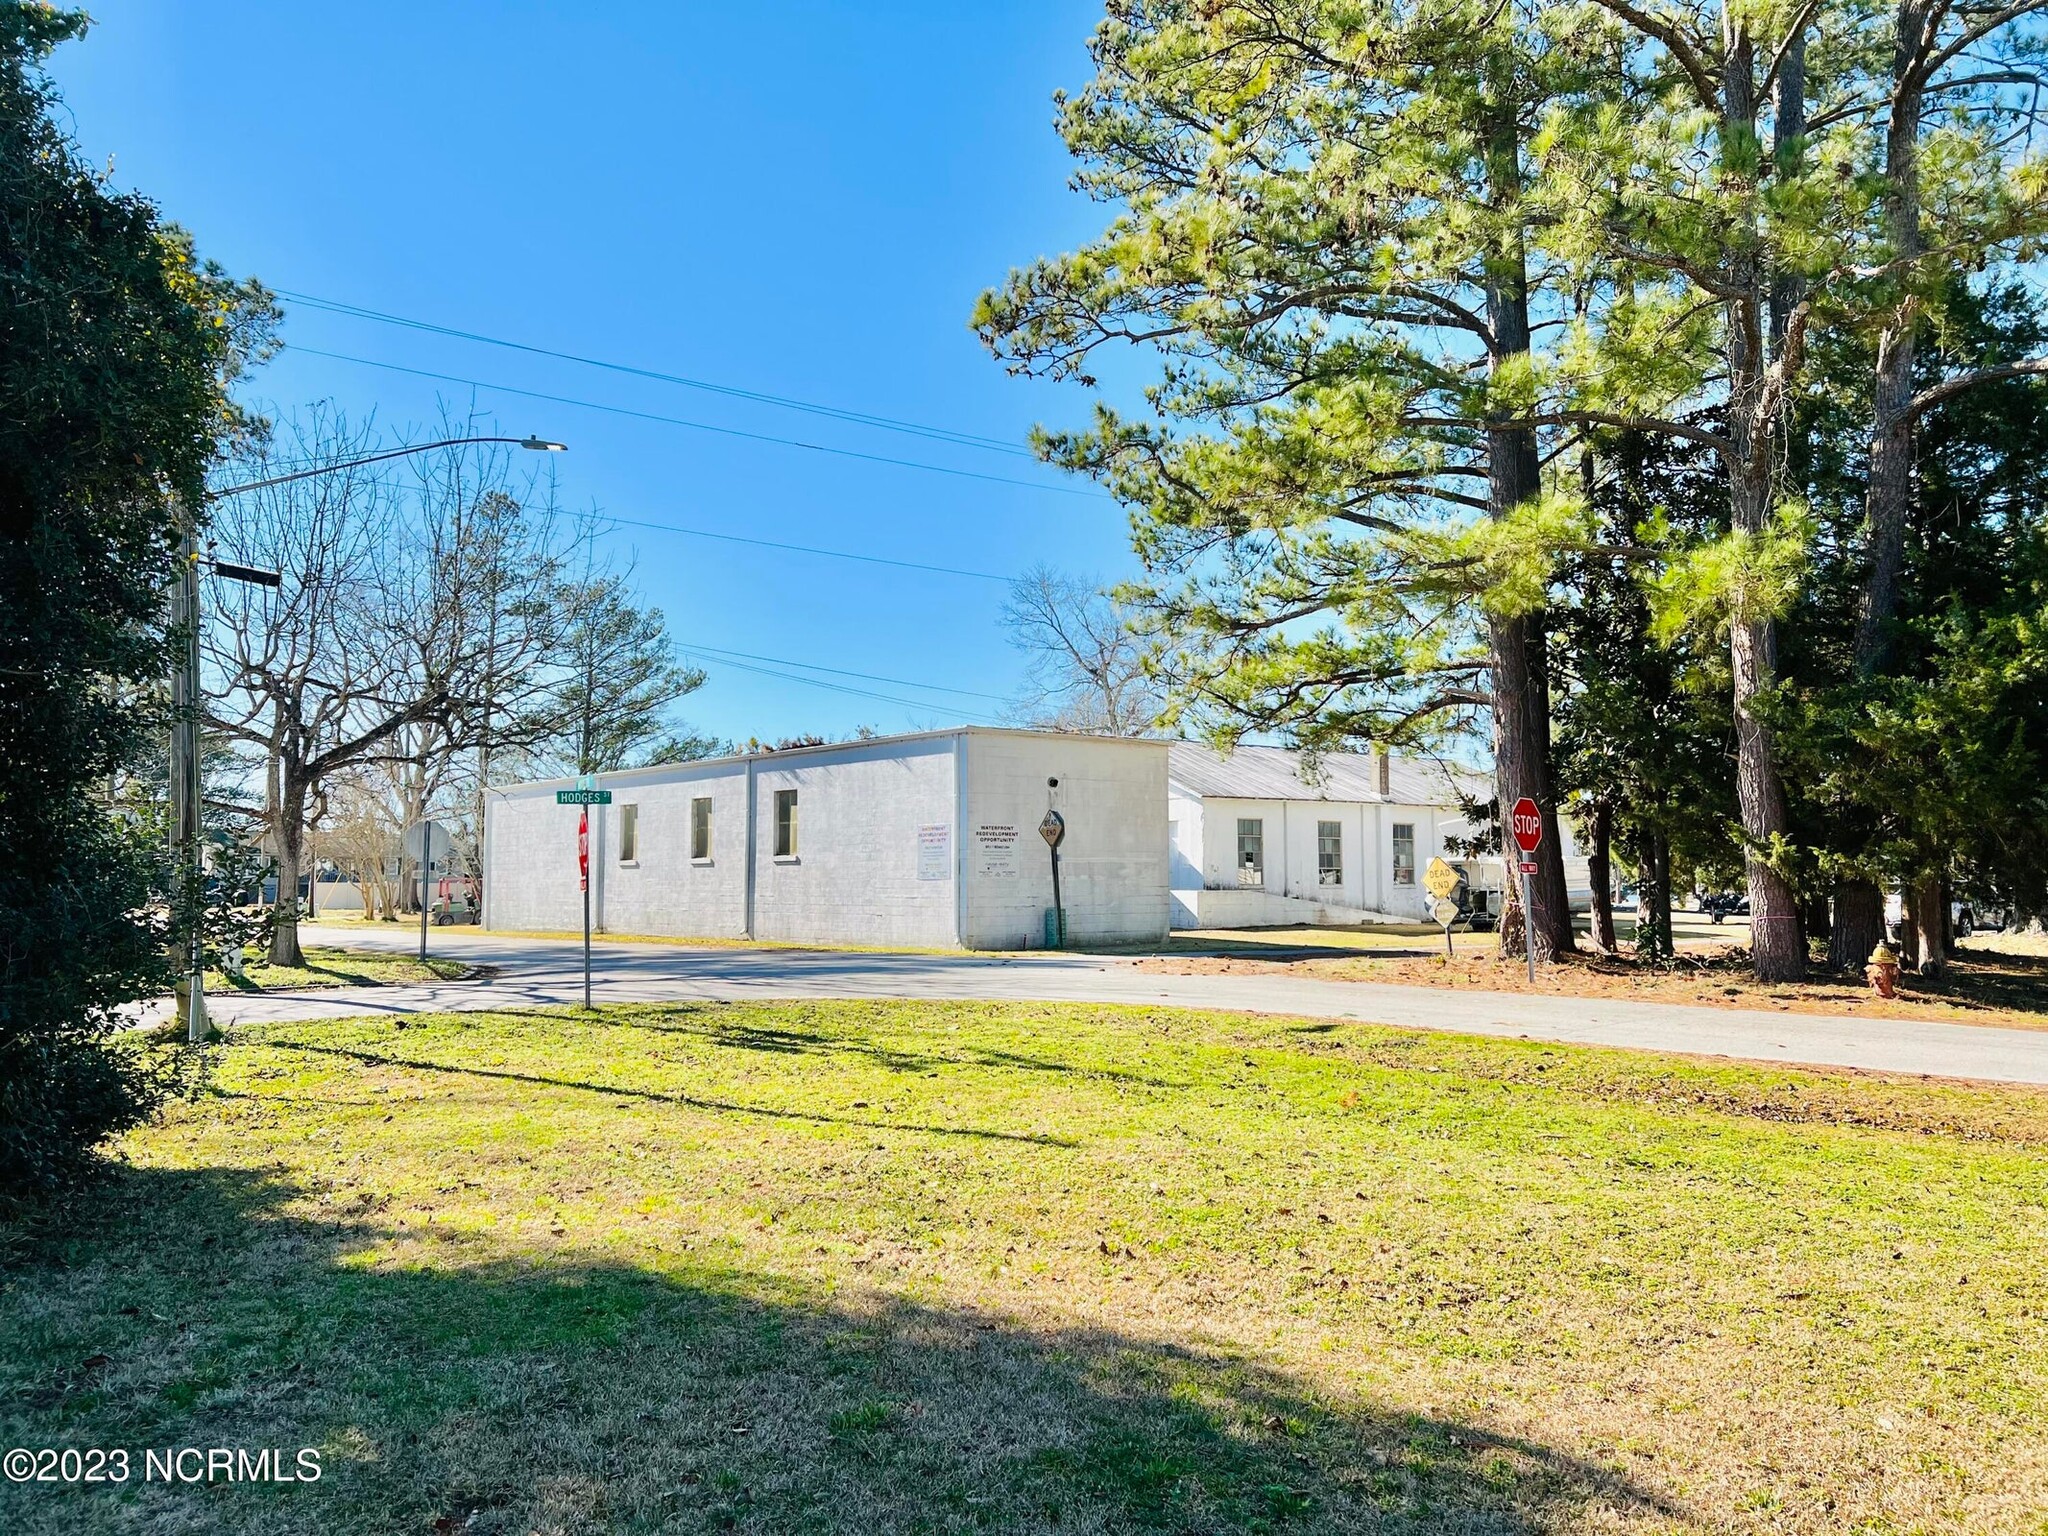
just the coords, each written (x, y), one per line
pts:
(700, 828)
(1329, 853)
(785, 823)
(629, 834)
(1404, 853)
(1251, 851)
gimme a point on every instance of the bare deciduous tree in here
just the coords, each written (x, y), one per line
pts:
(361, 837)
(1087, 669)
(410, 626)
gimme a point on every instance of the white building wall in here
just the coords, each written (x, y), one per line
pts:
(1303, 821)
(1408, 900)
(530, 877)
(1184, 817)
(1208, 839)
(663, 890)
(855, 876)
(1115, 860)
(1219, 841)
(923, 840)
(530, 861)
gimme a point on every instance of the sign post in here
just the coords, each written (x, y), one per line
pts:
(1441, 879)
(420, 838)
(1526, 821)
(585, 794)
(1054, 830)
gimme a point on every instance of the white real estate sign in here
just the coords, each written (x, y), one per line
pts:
(995, 851)
(935, 852)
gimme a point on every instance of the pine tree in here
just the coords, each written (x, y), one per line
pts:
(1323, 236)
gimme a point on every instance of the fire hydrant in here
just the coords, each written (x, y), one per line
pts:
(1883, 971)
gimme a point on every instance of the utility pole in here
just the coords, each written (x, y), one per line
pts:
(186, 710)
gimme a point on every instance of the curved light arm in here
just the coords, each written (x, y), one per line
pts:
(537, 444)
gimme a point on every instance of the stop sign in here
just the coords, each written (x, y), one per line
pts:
(1527, 824)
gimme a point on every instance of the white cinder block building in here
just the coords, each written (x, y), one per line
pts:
(924, 840)
(1260, 841)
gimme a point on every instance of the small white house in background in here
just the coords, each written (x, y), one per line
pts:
(1261, 840)
(929, 840)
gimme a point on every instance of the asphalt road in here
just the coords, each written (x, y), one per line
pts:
(533, 972)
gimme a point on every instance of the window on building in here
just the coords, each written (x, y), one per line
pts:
(700, 827)
(1251, 851)
(1329, 853)
(1404, 853)
(785, 823)
(629, 834)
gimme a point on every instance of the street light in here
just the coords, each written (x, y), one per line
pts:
(186, 697)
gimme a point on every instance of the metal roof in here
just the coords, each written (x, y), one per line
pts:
(654, 772)
(1275, 773)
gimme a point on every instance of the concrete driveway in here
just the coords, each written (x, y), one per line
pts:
(534, 972)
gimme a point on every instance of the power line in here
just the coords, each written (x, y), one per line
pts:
(837, 413)
(805, 549)
(815, 682)
(812, 666)
(699, 426)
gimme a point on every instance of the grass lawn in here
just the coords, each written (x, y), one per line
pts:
(339, 968)
(893, 1267)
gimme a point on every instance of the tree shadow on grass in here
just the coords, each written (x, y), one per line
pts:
(723, 1024)
(194, 1309)
(1984, 980)
(649, 1095)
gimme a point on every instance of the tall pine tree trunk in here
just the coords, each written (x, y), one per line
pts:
(1600, 874)
(1858, 924)
(1521, 682)
(1930, 924)
(1653, 896)
(1816, 920)
(1859, 904)
(1891, 438)
(1777, 947)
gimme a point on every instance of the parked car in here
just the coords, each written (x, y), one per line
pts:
(1479, 916)
(1719, 904)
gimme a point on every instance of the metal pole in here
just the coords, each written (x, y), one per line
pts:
(1059, 911)
(426, 874)
(586, 944)
(185, 778)
(1529, 926)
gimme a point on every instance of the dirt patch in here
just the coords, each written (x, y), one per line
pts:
(1982, 986)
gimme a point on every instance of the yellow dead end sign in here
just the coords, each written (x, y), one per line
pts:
(1442, 880)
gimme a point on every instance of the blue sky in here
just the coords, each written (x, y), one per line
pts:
(796, 199)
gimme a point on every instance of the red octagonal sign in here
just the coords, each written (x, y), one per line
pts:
(1527, 823)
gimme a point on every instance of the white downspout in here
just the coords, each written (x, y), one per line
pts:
(960, 839)
(753, 837)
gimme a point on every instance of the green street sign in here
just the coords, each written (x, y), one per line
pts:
(583, 797)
